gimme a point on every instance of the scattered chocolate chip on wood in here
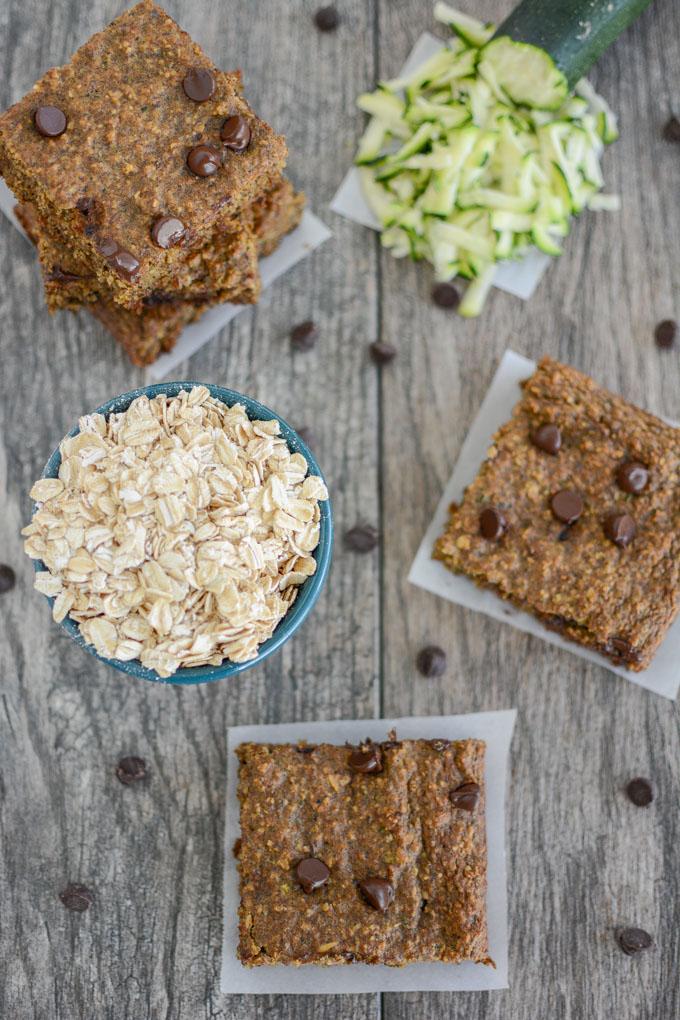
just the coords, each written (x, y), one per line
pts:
(640, 791)
(431, 661)
(634, 940)
(445, 295)
(77, 897)
(362, 538)
(327, 19)
(7, 578)
(382, 353)
(671, 130)
(131, 769)
(665, 334)
(303, 336)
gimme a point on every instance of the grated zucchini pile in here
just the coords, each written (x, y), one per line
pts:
(462, 175)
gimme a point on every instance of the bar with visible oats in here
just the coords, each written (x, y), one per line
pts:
(574, 517)
(136, 151)
(368, 854)
(225, 271)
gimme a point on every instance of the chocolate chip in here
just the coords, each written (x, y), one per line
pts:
(620, 529)
(619, 648)
(640, 792)
(86, 206)
(366, 761)
(7, 578)
(547, 438)
(50, 121)
(236, 848)
(107, 247)
(125, 264)
(198, 84)
(445, 295)
(431, 661)
(567, 506)
(377, 892)
(167, 231)
(492, 523)
(305, 748)
(76, 897)
(204, 160)
(671, 130)
(632, 477)
(311, 874)
(382, 353)
(60, 275)
(564, 534)
(465, 796)
(633, 940)
(236, 133)
(555, 621)
(131, 770)
(327, 19)
(362, 538)
(303, 336)
(665, 333)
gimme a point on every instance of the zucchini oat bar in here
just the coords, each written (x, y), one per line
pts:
(575, 517)
(138, 130)
(370, 854)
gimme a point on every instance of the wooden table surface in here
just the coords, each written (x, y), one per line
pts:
(582, 860)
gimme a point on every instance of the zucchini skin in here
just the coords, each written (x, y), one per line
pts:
(574, 32)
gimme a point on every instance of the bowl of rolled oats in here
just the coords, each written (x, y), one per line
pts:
(182, 532)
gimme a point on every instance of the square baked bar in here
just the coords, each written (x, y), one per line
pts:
(575, 516)
(369, 854)
(137, 149)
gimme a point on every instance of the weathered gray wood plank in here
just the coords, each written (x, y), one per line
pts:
(150, 946)
(582, 859)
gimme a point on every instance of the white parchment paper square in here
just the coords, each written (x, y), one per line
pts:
(662, 676)
(519, 277)
(295, 247)
(493, 727)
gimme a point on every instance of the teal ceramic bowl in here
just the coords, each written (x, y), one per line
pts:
(308, 592)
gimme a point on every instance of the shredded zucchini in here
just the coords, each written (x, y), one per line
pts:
(462, 175)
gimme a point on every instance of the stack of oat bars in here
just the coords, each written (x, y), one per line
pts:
(147, 183)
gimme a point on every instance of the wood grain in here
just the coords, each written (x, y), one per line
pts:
(582, 859)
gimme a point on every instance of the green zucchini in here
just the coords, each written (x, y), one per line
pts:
(574, 33)
(481, 154)
(526, 74)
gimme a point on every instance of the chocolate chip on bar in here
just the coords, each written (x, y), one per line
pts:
(377, 891)
(567, 506)
(366, 761)
(311, 873)
(547, 438)
(50, 121)
(198, 84)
